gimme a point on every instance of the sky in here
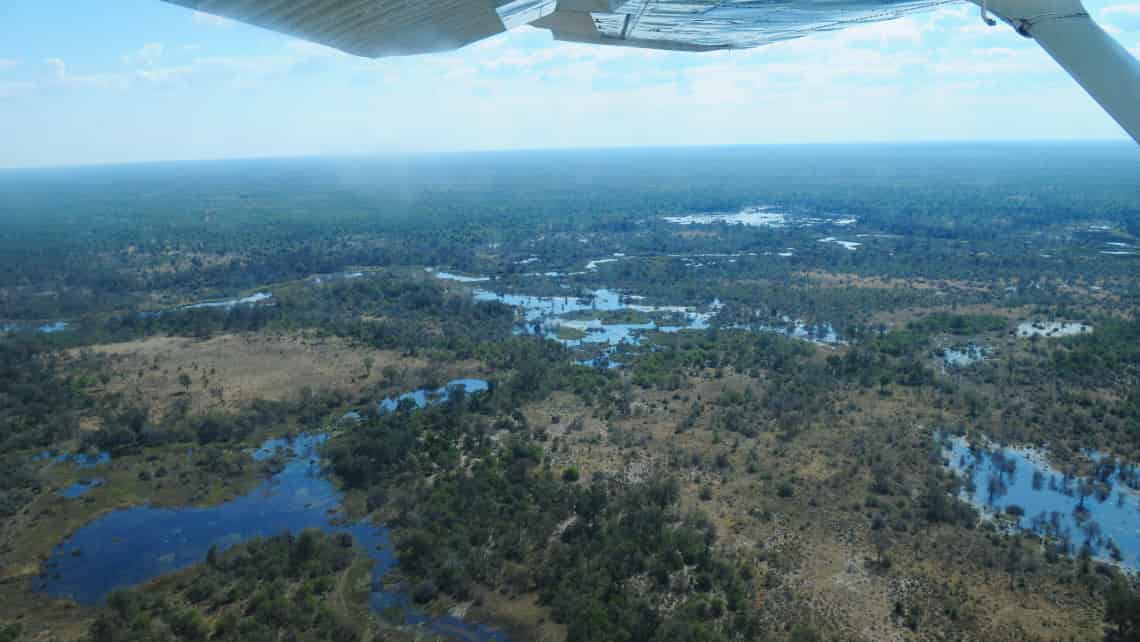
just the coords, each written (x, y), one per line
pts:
(91, 81)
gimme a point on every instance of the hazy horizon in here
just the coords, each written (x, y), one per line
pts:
(390, 155)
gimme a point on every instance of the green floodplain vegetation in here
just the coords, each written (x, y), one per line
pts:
(724, 483)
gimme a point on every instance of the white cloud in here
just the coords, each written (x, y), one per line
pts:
(162, 75)
(244, 71)
(1130, 10)
(62, 77)
(996, 62)
(904, 31)
(210, 20)
(1120, 19)
(59, 67)
(13, 89)
(306, 49)
(147, 56)
(982, 29)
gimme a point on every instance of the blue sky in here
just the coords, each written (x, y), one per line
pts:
(91, 81)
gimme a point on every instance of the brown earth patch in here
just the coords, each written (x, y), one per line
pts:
(227, 371)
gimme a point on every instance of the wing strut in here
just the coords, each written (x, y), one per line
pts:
(1098, 63)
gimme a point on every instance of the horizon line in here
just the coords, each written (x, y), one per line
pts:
(524, 150)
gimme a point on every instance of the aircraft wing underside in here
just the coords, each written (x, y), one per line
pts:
(378, 28)
(712, 24)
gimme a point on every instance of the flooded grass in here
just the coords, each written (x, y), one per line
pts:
(1099, 514)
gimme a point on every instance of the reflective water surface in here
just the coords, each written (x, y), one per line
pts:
(130, 546)
(424, 396)
(1051, 329)
(256, 297)
(80, 487)
(1100, 511)
(963, 356)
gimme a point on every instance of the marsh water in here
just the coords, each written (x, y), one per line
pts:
(546, 314)
(81, 487)
(256, 297)
(79, 460)
(963, 356)
(1101, 511)
(424, 396)
(1051, 329)
(46, 328)
(130, 546)
(587, 313)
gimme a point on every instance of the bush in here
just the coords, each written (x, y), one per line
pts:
(425, 592)
(804, 633)
(786, 489)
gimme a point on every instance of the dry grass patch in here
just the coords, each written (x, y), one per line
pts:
(890, 283)
(227, 371)
(818, 541)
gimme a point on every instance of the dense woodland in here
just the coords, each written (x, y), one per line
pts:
(266, 589)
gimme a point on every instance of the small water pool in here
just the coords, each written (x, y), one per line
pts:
(256, 297)
(44, 328)
(424, 396)
(460, 278)
(81, 487)
(1051, 329)
(79, 460)
(964, 356)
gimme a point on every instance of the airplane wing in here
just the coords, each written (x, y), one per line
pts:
(378, 28)
(369, 28)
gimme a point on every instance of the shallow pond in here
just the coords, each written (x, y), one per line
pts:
(424, 396)
(321, 279)
(130, 546)
(818, 333)
(449, 276)
(1097, 510)
(1051, 328)
(758, 216)
(601, 361)
(80, 460)
(80, 488)
(544, 315)
(850, 245)
(963, 356)
(256, 297)
(46, 328)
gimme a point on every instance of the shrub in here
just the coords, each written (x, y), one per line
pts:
(786, 489)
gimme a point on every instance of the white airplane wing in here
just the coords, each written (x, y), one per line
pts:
(370, 28)
(377, 28)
